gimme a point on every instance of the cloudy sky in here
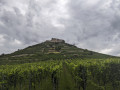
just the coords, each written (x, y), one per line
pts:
(90, 24)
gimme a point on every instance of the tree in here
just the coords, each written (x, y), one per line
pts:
(58, 48)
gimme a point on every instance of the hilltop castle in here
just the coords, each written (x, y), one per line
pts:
(55, 40)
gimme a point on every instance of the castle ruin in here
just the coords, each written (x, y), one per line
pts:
(55, 40)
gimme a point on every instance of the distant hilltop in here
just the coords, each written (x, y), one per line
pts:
(55, 40)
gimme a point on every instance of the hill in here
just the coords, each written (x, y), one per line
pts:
(56, 65)
(54, 49)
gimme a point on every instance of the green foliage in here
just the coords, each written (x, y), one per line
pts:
(41, 52)
(58, 48)
(38, 68)
(77, 74)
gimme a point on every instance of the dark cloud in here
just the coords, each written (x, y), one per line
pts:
(91, 24)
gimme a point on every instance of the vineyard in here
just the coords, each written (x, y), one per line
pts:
(58, 66)
(68, 74)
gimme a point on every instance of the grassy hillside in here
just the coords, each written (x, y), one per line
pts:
(48, 51)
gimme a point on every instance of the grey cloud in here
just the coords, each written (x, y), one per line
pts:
(93, 25)
(30, 28)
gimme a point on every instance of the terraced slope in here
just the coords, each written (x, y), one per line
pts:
(48, 51)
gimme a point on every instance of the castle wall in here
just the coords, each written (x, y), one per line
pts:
(56, 40)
